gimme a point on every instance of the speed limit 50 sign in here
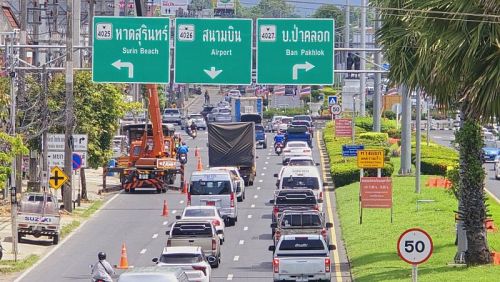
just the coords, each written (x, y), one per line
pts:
(415, 246)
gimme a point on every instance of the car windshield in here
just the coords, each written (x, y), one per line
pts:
(300, 182)
(305, 123)
(301, 244)
(296, 145)
(167, 111)
(301, 163)
(196, 116)
(259, 127)
(181, 258)
(192, 229)
(199, 212)
(286, 120)
(296, 199)
(201, 187)
(301, 220)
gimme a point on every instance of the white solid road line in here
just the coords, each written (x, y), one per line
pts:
(165, 222)
(236, 258)
(242, 242)
(155, 236)
(64, 240)
(229, 277)
(143, 251)
(245, 228)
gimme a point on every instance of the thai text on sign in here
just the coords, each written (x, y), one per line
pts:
(376, 192)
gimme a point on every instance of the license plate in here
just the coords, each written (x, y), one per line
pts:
(210, 203)
(143, 176)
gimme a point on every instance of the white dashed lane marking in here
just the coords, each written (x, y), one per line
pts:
(266, 162)
(236, 258)
(143, 251)
(174, 211)
(155, 236)
(229, 277)
(181, 202)
(252, 206)
(165, 222)
(242, 242)
(258, 188)
(262, 174)
(245, 228)
(260, 180)
(255, 196)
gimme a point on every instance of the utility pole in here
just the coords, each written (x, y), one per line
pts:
(91, 25)
(77, 8)
(362, 76)
(405, 131)
(13, 173)
(418, 141)
(45, 128)
(378, 78)
(70, 115)
(429, 120)
(347, 28)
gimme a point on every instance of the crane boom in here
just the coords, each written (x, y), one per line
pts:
(158, 149)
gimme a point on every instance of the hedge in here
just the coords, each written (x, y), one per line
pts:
(367, 124)
(345, 170)
(285, 112)
(435, 158)
(378, 137)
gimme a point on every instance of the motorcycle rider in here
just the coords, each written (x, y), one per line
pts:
(279, 137)
(183, 149)
(102, 270)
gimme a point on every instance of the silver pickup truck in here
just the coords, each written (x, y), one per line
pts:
(38, 215)
(301, 222)
(199, 233)
(301, 258)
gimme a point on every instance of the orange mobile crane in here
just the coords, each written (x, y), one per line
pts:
(151, 162)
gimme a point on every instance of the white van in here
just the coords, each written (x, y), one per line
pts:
(302, 177)
(214, 188)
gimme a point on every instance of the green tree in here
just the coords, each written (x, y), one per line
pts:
(4, 100)
(200, 4)
(271, 9)
(452, 54)
(330, 11)
(11, 147)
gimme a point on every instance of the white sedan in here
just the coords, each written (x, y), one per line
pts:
(296, 149)
(210, 213)
(190, 259)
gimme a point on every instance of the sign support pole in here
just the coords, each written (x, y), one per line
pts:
(414, 272)
(361, 173)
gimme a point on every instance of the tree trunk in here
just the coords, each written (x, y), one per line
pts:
(19, 173)
(472, 193)
(84, 184)
(104, 173)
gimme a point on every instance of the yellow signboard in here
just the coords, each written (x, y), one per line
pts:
(57, 178)
(370, 158)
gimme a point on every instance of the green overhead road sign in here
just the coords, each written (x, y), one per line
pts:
(131, 50)
(295, 51)
(213, 51)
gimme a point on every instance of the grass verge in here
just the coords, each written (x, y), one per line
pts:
(9, 266)
(372, 245)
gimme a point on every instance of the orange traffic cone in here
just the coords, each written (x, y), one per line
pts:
(196, 152)
(199, 167)
(165, 208)
(123, 258)
(495, 258)
(185, 188)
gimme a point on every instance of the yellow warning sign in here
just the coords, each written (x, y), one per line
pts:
(57, 178)
(370, 158)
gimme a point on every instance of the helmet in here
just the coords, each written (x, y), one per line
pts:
(101, 255)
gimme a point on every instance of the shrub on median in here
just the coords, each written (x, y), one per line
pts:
(435, 158)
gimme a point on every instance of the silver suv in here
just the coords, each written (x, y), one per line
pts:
(172, 115)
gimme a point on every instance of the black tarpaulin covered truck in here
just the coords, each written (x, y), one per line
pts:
(233, 144)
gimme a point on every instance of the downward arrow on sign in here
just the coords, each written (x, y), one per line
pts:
(212, 72)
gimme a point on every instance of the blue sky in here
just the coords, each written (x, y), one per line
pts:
(306, 7)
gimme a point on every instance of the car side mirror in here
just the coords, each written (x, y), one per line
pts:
(271, 248)
(271, 201)
(155, 260)
(274, 225)
(177, 217)
(329, 225)
(167, 232)
(275, 175)
(332, 247)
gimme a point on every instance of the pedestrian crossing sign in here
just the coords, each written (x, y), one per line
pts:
(332, 100)
(57, 178)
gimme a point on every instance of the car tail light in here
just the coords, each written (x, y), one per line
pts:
(327, 264)
(169, 243)
(189, 199)
(200, 268)
(232, 200)
(316, 207)
(216, 222)
(277, 235)
(324, 233)
(214, 245)
(23, 225)
(276, 265)
(276, 210)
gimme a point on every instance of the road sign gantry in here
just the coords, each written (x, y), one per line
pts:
(295, 51)
(213, 51)
(131, 50)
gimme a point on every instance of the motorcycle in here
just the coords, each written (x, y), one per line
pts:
(192, 133)
(278, 148)
(183, 158)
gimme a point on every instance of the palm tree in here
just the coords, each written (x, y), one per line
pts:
(451, 49)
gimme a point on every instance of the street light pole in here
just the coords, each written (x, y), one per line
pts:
(362, 76)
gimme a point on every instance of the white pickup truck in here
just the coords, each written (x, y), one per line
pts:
(301, 258)
(38, 215)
